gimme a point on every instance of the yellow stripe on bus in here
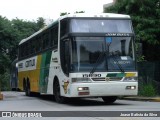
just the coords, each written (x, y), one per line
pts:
(32, 75)
(130, 74)
(36, 88)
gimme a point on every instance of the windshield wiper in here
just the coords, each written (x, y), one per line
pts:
(119, 66)
(97, 62)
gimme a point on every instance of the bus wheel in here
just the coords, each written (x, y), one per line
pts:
(109, 99)
(27, 89)
(24, 85)
(57, 94)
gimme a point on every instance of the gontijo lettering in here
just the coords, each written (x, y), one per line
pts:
(30, 63)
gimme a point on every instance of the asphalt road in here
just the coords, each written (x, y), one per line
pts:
(17, 101)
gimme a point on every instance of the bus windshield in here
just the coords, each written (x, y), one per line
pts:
(87, 50)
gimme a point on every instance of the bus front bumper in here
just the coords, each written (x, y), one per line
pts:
(103, 89)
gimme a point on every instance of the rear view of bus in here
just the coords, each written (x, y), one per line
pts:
(97, 57)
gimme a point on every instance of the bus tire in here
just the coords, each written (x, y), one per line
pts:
(24, 85)
(27, 89)
(57, 93)
(109, 99)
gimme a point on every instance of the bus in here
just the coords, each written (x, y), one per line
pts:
(14, 75)
(80, 55)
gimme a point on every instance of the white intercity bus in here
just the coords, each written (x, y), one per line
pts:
(80, 55)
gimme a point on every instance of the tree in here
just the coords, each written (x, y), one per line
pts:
(11, 33)
(6, 39)
(22, 29)
(40, 22)
(145, 15)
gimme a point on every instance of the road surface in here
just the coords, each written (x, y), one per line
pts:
(17, 101)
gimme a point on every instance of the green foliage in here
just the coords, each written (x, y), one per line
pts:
(145, 16)
(5, 81)
(26, 28)
(147, 90)
(40, 23)
(6, 36)
(141, 58)
(11, 33)
(4, 62)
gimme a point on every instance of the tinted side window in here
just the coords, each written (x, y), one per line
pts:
(38, 44)
(32, 46)
(54, 36)
(63, 29)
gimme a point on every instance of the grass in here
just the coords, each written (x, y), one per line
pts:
(147, 90)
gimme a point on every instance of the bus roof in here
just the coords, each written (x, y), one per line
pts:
(100, 15)
(83, 15)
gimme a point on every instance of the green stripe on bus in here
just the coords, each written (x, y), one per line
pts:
(44, 71)
(116, 75)
(121, 75)
(111, 75)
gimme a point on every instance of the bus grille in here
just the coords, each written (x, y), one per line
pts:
(108, 79)
(98, 79)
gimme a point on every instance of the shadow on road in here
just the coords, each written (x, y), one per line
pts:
(80, 101)
(71, 102)
(91, 102)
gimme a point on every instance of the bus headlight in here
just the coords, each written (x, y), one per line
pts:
(130, 87)
(130, 79)
(83, 88)
(81, 80)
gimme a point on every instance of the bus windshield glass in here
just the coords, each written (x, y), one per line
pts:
(100, 26)
(88, 52)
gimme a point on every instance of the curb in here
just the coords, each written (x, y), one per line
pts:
(1, 96)
(156, 100)
(151, 99)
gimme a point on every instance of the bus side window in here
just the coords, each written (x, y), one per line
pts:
(34, 45)
(63, 28)
(37, 44)
(31, 46)
(54, 36)
(65, 61)
(20, 52)
(26, 49)
(40, 43)
(45, 40)
(23, 52)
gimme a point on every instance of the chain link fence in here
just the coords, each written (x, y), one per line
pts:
(149, 73)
